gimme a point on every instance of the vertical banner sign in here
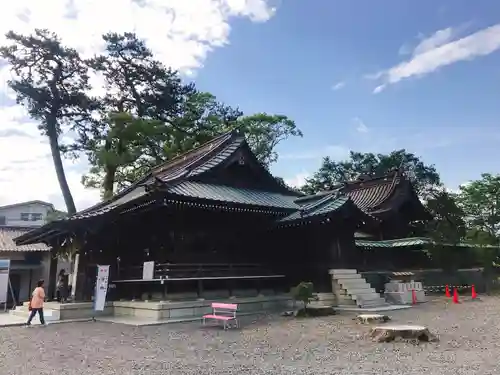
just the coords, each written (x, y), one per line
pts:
(4, 280)
(101, 287)
(148, 270)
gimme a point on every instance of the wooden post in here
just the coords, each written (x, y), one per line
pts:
(51, 283)
(76, 264)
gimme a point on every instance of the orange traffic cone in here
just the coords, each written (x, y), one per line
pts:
(474, 294)
(447, 291)
(455, 296)
(413, 297)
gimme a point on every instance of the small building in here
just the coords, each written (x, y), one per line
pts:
(217, 223)
(15, 220)
(25, 214)
(28, 263)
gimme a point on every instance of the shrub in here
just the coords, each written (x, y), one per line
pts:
(304, 292)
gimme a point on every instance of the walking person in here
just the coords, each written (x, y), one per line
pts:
(62, 286)
(36, 303)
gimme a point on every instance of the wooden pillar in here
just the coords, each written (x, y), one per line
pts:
(52, 274)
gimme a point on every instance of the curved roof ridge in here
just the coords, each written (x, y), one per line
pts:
(219, 140)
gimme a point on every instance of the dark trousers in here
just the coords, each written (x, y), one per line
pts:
(40, 315)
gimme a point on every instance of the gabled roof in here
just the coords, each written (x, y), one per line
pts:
(7, 235)
(177, 174)
(377, 194)
(371, 194)
(50, 205)
(320, 207)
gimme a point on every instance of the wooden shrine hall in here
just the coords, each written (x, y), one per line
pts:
(216, 224)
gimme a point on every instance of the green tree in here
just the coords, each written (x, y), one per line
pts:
(447, 227)
(331, 173)
(121, 147)
(265, 132)
(200, 119)
(55, 215)
(448, 223)
(50, 81)
(168, 117)
(480, 201)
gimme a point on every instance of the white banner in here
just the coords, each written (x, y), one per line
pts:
(148, 270)
(4, 280)
(101, 287)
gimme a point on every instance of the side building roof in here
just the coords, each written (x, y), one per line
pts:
(7, 243)
(379, 194)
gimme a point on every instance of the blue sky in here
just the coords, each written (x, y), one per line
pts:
(364, 75)
(291, 64)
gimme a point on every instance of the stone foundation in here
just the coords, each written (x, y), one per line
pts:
(161, 310)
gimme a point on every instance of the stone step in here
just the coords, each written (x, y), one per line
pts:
(49, 315)
(351, 283)
(365, 297)
(342, 271)
(360, 291)
(347, 276)
(378, 303)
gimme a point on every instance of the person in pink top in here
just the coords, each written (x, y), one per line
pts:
(36, 303)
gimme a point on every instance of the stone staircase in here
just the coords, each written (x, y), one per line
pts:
(23, 312)
(352, 289)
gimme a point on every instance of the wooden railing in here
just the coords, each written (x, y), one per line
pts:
(195, 271)
(195, 278)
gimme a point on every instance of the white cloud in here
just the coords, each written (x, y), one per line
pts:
(338, 86)
(437, 39)
(26, 169)
(360, 125)
(181, 33)
(298, 180)
(438, 51)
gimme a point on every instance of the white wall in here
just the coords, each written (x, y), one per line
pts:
(13, 214)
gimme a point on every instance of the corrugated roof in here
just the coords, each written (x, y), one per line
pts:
(229, 194)
(369, 194)
(7, 235)
(323, 206)
(402, 242)
(413, 241)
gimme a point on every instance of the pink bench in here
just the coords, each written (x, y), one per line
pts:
(224, 312)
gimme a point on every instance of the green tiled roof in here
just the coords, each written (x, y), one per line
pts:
(229, 194)
(412, 241)
(402, 242)
(321, 206)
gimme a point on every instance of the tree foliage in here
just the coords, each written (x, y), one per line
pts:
(331, 173)
(119, 148)
(480, 200)
(166, 117)
(448, 225)
(50, 81)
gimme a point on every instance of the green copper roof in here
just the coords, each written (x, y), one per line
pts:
(412, 241)
(221, 193)
(320, 207)
(402, 242)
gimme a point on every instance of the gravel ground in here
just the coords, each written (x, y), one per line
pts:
(469, 344)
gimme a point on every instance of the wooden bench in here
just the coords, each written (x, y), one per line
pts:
(224, 312)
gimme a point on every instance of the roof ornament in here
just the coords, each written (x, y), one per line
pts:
(407, 170)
